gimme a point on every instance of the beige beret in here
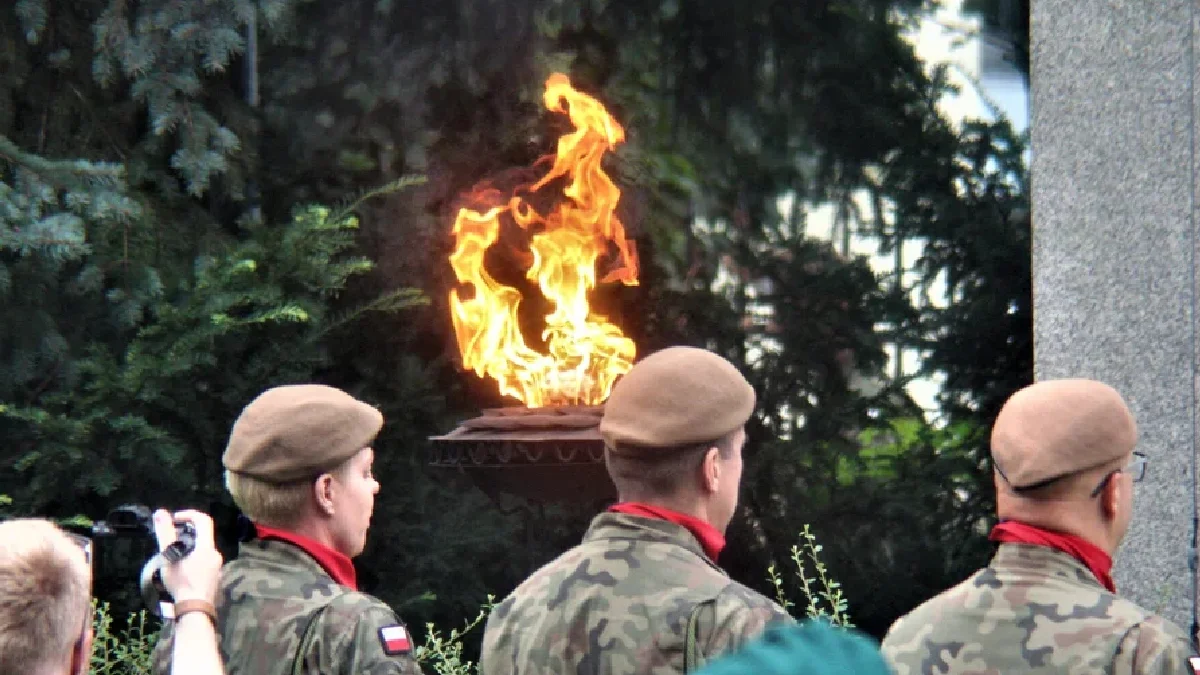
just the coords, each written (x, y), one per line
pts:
(673, 397)
(1056, 428)
(296, 432)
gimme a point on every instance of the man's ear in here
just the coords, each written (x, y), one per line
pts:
(1112, 497)
(323, 492)
(81, 654)
(711, 470)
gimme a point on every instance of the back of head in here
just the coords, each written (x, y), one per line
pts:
(284, 439)
(45, 593)
(665, 412)
(1056, 429)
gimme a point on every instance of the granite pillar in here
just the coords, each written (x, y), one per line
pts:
(1114, 177)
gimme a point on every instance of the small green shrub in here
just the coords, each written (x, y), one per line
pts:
(126, 651)
(827, 601)
(444, 655)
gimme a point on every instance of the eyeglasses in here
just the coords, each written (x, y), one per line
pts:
(85, 544)
(1136, 468)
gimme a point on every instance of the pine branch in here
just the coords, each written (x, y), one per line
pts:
(401, 183)
(404, 298)
(64, 173)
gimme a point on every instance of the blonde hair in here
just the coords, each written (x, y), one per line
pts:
(275, 504)
(45, 595)
(270, 504)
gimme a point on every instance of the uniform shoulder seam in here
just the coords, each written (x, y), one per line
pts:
(359, 604)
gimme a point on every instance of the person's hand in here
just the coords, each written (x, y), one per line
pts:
(195, 577)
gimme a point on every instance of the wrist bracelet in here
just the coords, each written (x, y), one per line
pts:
(203, 606)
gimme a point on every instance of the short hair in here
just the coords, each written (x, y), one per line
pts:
(661, 472)
(45, 595)
(274, 504)
(270, 504)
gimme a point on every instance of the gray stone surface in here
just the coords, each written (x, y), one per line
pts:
(1114, 247)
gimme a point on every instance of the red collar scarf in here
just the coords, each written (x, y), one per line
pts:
(338, 566)
(1096, 560)
(710, 540)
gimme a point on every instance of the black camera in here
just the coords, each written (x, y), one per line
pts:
(136, 520)
(127, 536)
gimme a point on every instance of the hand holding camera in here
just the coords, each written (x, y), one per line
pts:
(192, 564)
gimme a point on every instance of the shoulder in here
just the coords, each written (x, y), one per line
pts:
(577, 563)
(352, 612)
(736, 600)
(368, 635)
(1154, 645)
(907, 636)
(738, 615)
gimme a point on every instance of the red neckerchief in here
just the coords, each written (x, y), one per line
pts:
(710, 540)
(337, 565)
(1096, 560)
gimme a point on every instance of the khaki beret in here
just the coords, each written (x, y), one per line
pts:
(1055, 428)
(677, 396)
(296, 432)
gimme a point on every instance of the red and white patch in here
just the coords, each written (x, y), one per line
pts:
(395, 640)
(1195, 662)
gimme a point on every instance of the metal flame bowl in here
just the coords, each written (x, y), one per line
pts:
(549, 455)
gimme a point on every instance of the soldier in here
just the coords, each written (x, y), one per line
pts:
(298, 465)
(643, 594)
(1064, 474)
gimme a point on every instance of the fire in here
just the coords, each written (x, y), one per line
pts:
(586, 353)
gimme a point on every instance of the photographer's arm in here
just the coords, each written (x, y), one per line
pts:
(193, 584)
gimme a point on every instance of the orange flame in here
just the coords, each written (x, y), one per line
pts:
(586, 353)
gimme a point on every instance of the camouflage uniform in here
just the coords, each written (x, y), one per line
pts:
(268, 596)
(619, 604)
(1034, 610)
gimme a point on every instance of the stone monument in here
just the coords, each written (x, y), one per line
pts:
(1114, 115)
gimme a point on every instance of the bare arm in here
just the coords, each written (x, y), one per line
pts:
(195, 578)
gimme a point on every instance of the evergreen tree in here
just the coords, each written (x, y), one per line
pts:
(161, 280)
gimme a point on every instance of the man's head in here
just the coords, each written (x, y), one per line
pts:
(299, 458)
(673, 431)
(1063, 453)
(45, 601)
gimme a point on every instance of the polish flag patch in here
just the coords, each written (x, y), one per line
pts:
(395, 640)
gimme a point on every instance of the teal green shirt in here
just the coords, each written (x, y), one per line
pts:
(812, 648)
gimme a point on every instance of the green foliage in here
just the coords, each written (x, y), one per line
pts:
(164, 52)
(444, 655)
(121, 651)
(981, 245)
(253, 313)
(880, 507)
(51, 213)
(825, 601)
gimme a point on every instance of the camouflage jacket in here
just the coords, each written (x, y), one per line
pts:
(1034, 610)
(265, 603)
(619, 604)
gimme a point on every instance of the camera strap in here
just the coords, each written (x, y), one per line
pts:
(306, 642)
